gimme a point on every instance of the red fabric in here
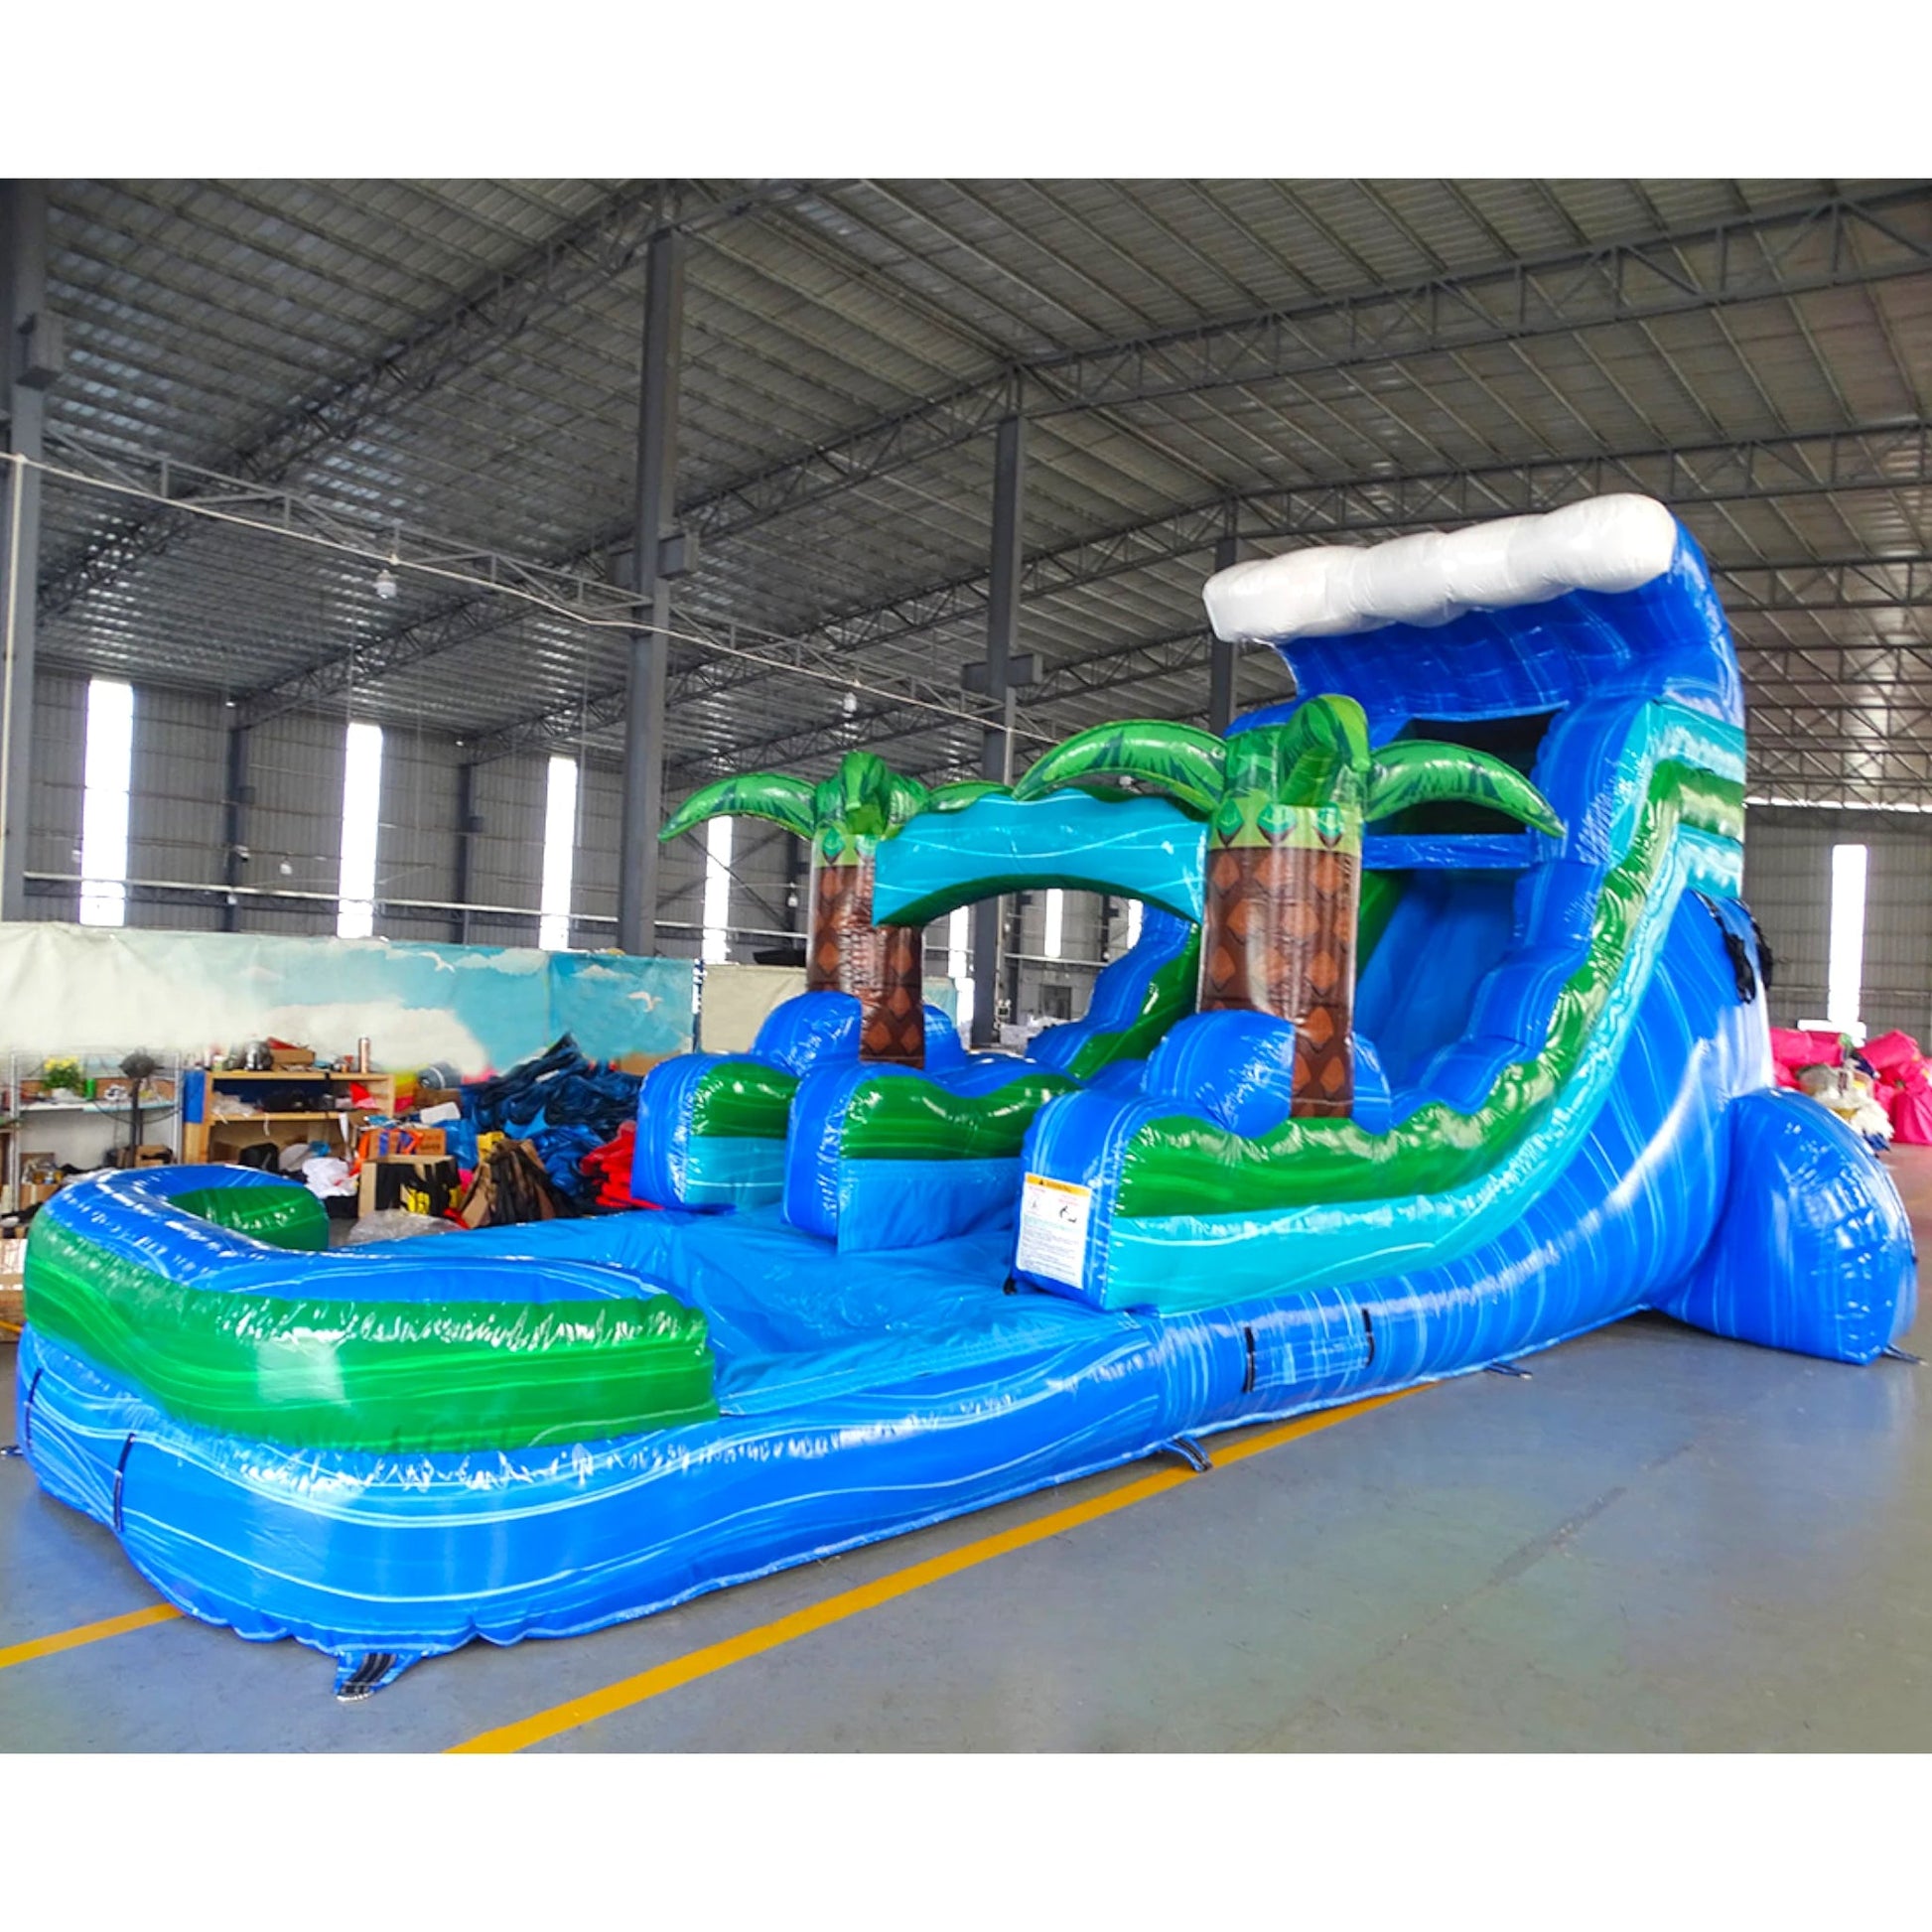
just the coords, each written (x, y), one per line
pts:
(610, 1165)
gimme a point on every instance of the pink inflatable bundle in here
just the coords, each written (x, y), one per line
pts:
(1792, 1049)
(1891, 1051)
(1904, 1087)
(1912, 1112)
(1902, 1084)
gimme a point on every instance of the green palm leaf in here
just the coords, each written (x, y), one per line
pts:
(1189, 765)
(866, 798)
(752, 794)
(905, 799)
(1420, 773)
(855, 796)
(969, 791)
(1324, 745)
(1333, 725)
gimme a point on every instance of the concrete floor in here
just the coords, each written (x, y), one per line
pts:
(1661, 1542)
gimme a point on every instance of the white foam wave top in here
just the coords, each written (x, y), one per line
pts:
(1609, 543)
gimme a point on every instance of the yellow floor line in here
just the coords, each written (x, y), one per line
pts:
(111, 1626)
(660, 1678)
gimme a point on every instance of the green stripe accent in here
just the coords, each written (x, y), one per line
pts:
(1189, 1166)
(742, 1100)
(913, 1120)
(284, 1217)
(372, 1375)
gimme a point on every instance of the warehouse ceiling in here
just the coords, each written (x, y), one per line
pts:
(456, 364)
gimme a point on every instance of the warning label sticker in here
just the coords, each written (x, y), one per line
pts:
(1053, 1229)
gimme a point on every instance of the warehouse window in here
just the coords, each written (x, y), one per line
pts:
(717, 891)
(1844, 970)
(959, 969)
(1056, 923)
(361, 798)
(559, 855)
(103, 805)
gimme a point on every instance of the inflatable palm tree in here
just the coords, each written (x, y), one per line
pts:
(1285, 807)
(846, 817)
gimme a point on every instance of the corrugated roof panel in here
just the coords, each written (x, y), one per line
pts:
(204, 314)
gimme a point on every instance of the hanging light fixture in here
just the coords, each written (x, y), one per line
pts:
(386, 586)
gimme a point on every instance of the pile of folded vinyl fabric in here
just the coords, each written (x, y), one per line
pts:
(566, 1106)
(1889, 1074)
(610, 1165)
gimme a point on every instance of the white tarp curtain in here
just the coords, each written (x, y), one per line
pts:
(73, 989)
(736, 1000)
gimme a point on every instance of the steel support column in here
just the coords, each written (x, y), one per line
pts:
(1221, 654)
(29, 359)
(237, 795)
(468, 825)
(649, 650)
(1001, 635)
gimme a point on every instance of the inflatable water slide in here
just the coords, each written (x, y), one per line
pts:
(1445, 1039)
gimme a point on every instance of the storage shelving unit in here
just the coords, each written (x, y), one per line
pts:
(210, 1134)
(160, 1106)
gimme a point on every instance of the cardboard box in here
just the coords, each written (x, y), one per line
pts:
(641, 1062)
(419, 1184)
(13, 1260)
(150, 1153)
(279, 1056)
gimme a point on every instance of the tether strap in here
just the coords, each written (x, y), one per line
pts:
(120, 1481)
(1744, 969)
(27, 1413)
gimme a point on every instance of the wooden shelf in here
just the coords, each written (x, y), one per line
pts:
(244, 1120)
(200, 1137)
(293, 1074)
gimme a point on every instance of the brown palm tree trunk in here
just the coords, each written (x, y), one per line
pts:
(891, 997)
(1279, 937)
(881, 967)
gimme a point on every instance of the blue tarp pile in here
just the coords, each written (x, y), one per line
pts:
(564, 1104)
